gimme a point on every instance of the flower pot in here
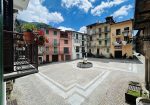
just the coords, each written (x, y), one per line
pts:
(142, 101)
(41, 40)
(28, 37)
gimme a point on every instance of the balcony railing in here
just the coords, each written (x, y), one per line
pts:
(117, 43)
(24, 60)
(127, 33)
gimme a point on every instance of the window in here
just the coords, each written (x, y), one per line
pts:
(118, 40)
(90, 38)
(55, 32)
(100, 30)
(55, 50)
(126, 38)
(100, 42)
(105, 29)
(126, 28)
(118, 31)
(83, 49)
(65, 41)
(105, 35)
(76, 36)
(105, 42)
(47, 49)
(55, 42)
(82, 37)
(66, 50)
(100, 35)
(108, 50)
(77, 48)
(82, 43)
(47, 31)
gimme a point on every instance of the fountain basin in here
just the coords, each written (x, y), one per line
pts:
(84, 65)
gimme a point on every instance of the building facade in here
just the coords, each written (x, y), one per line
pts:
(84, 45)
(58, 48)
(65, 48)
(121, 39)
(99, 38)
(76, 45)
(142, 23)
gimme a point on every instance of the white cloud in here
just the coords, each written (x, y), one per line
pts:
(36, 12)
(65, 28)
(98, 10)
(83, 29)
(81, 4)
(123, 11)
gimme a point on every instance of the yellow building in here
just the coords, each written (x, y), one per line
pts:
(121, 39)
(99, 38)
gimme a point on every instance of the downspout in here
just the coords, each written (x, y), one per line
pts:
(1, 52)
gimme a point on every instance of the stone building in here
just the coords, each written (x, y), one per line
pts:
(99, 38)
(142, 23)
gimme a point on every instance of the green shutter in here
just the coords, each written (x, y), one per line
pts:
(47, 31)
(55, 32)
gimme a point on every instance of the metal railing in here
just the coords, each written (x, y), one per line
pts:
(24, 59)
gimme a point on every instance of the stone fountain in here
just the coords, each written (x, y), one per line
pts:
(84, 64)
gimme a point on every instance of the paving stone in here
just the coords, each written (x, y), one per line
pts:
(63, 83)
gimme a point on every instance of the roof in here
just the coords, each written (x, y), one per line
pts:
(75, 32)
(123, 21)
(95, 24)
(54, 28)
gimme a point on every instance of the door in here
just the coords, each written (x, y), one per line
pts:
(62, 57)
(67, 57)
(54, 58)
(47, 58)
(118, 54)
(97, 51)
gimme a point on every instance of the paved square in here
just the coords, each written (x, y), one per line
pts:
(65, 84)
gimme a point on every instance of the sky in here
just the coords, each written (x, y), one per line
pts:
(76, 14)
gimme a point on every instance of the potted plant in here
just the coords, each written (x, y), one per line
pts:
(134, 91)
(28, 35)
(41, 39)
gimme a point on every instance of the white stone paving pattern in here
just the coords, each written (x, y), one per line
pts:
(65, 84)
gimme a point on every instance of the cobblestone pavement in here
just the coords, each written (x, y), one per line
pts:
(65, 84)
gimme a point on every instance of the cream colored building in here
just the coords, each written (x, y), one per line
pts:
(99, 38)
(121, 39)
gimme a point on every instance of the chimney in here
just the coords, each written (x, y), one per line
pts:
(110, 20)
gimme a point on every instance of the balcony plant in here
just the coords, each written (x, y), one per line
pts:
(41, 39)
(28, 35)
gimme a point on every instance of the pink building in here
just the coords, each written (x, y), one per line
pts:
(65, 45)
(52, 48)
(58, 48)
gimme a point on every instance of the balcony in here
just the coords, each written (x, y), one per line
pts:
(117, 43)
(101, 38)
(64, 35)
(106, 31)
(21, 59)
(127, 33)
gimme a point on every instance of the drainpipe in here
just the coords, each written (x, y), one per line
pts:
(1, 52)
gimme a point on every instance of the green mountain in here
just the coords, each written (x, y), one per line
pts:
(20, 23)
